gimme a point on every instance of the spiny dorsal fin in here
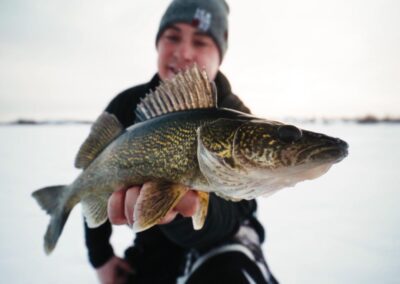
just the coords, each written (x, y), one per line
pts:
(104, 130)
(189, 89)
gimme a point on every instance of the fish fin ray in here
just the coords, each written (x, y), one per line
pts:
(200, 215)
(52, 199)
(94, 208)
(49, 197)
(189, 89)
(154, 202)
(104, 130)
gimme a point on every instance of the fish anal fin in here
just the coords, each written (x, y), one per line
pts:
(154, 202)
(94, 208)
(104, 130)
(200, 215)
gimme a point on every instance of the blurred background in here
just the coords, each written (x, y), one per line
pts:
(304, 62)
(67, 59)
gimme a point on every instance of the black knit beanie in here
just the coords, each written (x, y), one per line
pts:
(208, 16)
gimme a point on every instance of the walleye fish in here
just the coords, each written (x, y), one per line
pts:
(183, 140)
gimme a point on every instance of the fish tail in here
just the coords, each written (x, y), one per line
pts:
(54, 201)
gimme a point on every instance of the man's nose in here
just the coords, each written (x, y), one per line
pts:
(185, 52)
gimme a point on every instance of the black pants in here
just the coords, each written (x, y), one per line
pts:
(237, 261)
(234, 265)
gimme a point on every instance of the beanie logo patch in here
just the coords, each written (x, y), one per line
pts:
(202, 19)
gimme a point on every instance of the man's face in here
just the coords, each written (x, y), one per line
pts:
(180, 46)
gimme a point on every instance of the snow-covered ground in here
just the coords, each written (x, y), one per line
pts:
(341, 228)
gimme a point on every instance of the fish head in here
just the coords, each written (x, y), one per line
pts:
(271, 145)
(247, 159)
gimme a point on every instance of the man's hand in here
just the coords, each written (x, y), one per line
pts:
(121, 205)
(115, 270)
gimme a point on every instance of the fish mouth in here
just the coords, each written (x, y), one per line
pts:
(332, 152)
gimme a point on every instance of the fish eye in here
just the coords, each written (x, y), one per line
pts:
(289, 133)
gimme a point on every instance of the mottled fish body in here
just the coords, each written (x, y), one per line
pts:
(184, 141)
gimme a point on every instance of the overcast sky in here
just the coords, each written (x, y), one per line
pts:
(67, 59)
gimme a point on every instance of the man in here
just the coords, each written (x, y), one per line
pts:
(227, 249)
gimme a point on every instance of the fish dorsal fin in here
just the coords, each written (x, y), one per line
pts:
(104, 130)
(189, 89)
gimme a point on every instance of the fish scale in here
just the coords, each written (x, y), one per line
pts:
(183, 140)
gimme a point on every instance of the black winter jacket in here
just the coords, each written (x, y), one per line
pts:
(223, 219)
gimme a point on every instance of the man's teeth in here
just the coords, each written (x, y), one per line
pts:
(172, 69)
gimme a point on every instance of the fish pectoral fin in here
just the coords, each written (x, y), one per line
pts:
(200, 215)
(154, 202)
(94, 209)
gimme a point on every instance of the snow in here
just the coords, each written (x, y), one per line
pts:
(340, 228)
